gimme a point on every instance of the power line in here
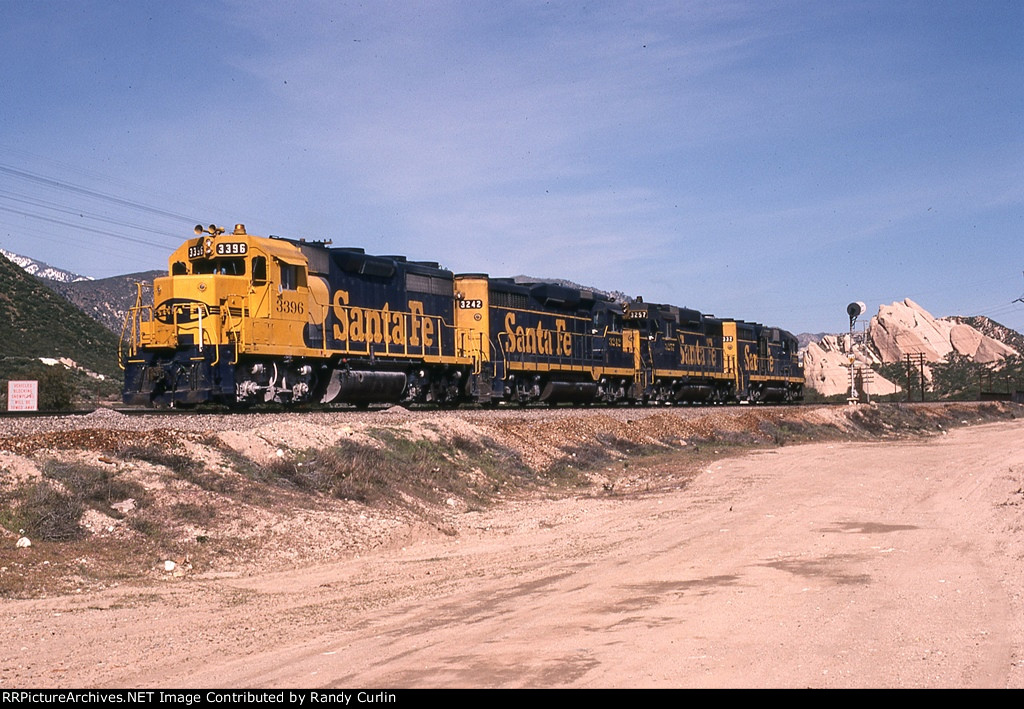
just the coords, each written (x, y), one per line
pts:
(81, 227)
(67, 186)
(54, 206)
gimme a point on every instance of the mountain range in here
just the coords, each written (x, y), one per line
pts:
(45, 337)
(106, 300)
(43, 270)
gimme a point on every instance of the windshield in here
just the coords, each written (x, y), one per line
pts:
(221, 266)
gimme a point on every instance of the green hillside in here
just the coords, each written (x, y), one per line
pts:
(36, 322)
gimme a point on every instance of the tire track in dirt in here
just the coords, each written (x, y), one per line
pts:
(828, 565)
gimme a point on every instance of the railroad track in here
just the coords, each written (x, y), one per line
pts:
(271, 410)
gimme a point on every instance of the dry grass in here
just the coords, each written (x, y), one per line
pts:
(185, 506)
(43, 511)
(402, 470)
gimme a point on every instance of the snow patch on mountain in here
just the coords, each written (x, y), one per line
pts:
(43, 270)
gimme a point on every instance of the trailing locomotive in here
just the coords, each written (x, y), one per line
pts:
(243, 319)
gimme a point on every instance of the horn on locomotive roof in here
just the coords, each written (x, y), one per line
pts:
(214, 230)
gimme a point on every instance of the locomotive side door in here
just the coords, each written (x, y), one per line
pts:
(259, 294)
(473, 334)
(633, 342)
(472, 325)
(278, 304)
(730, 354)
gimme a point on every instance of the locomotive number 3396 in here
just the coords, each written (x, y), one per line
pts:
(294, 307)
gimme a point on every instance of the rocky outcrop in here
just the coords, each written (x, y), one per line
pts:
(827, 370)
(987, 326)
(905, 327)
(900, 329)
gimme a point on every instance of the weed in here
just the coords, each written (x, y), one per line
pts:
(200, 514)
(417, 468)
(94, 486)
(157, 455)
(50, 511)
(182, 465)
(571, 467)
(145, 526)
(44, 512)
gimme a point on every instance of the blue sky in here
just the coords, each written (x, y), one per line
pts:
(768, 161)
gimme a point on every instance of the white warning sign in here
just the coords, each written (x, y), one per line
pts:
(23, 396)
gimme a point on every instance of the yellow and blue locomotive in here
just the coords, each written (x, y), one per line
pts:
(243, 319)
(686, 356)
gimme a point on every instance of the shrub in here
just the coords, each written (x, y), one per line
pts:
(45, 513)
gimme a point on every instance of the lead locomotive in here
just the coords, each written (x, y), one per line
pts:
(243, 319)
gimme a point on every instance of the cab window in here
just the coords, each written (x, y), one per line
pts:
(259, 270)
(220, 267)
(292, 277)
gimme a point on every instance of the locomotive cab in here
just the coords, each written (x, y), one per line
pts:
(191, 305)
(222, 292)
(173, 350)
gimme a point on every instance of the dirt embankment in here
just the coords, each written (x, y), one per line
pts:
(108, 498)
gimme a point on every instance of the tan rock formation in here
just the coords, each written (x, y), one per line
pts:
(970, 342)
(826, 370)
(905, 327)
(897, 330)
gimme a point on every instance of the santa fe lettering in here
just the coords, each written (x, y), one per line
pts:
(354, 324)
(537, 340)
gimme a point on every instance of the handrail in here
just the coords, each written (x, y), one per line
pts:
(133, 316)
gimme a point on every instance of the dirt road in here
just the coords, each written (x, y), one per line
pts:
(824, 565)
